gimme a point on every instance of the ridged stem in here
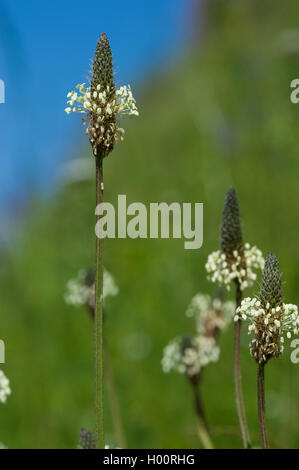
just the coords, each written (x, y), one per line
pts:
(113, 399)
(202, 429)
(238, 377)
(98, 321)
(261, 406)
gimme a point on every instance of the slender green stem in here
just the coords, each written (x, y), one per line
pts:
(202, 428)
(113, 399)
(98, 322)
(261, 406)
(238, 377)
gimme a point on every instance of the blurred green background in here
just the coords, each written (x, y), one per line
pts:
(220, 117)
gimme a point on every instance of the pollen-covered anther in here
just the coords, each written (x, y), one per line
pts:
(200, 352)
(269, 325)
(223, 269)
(101, 114)
(212, 315)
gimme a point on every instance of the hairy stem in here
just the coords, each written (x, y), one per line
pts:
(114, 404)
(261, 406)
(238, 377)
(202, 428)
(98, 320)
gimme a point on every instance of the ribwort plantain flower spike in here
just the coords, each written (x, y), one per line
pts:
(270, 319)
(212, 315)
(81, 291)
(188, 355)
(235, 261)
(102, 103)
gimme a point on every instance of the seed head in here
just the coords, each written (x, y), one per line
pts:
(271, 290)
(231, 233)
(87, 439)
(102, 69)
(102, 80)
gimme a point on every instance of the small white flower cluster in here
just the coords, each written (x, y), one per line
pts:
(199, 303)
(202, 351)
(224, 271)
(210, 314)
(99, 104)
(85, 101)
(5, 390)
(79, 293)
(126, 103)
(172, 356)
(268, 325)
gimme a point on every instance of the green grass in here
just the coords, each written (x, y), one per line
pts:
(221, 117)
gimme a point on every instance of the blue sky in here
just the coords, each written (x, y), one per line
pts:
(45, 49)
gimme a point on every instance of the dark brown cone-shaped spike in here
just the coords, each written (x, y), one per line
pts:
(219, 294)
(186, 343)
(102, 70)
(271, 290)
(89, 277)
(231, 233)
(102, 138)
(87, 439)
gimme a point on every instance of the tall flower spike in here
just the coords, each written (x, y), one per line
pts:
(188, 355)
(102, 103)
(269, 317)
(235, 261)
(101, 134)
